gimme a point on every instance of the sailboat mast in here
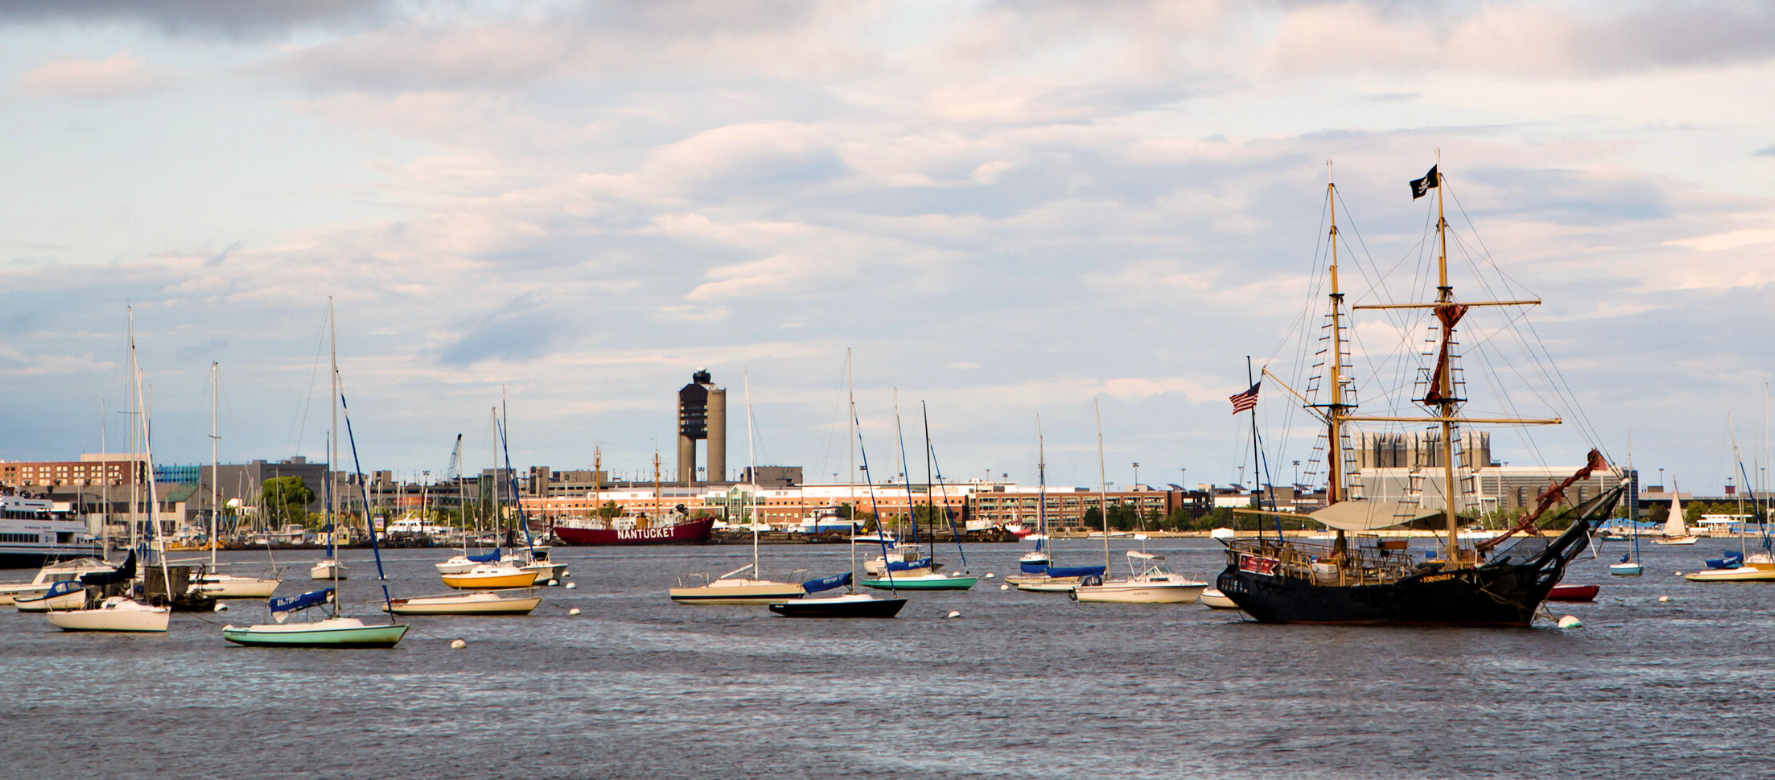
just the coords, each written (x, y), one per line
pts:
(333, 443)
(215, 492)
(752, 466)
(148, 467)
(1041, 481)
(1445, 378)
(850, 387)
(1102, 485)
(135, 463)
(930, 487)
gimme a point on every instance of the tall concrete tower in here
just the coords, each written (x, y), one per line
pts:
(702, 414)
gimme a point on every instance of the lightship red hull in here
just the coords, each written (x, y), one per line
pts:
(691, 532)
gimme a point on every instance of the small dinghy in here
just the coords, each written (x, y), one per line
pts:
(1573, 593)
(479, 603)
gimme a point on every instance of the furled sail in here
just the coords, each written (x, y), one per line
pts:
(827, 583)
(280, 608)
(490, 557)
(1370, 515)
(1075, 571)
(922, 563)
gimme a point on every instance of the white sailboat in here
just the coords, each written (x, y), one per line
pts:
(121, 613)
(212, 582)
(335, 630)
(1675, 530)
(732, 588)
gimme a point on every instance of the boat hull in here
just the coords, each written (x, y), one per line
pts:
(1626, 569)
(319, 636)
(60, 603)
(690, 532)
(141, 619)
(925, 582)
(739, 595)
(1139, 593)
(231, 587)
(1214, 599)
(1573, 593)
(520, 579)
(464, 604)
(327, 570)
(1741, 574)
(839, 608)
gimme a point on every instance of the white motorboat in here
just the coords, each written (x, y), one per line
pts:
(116, 614)
(64, 571)
(1148, 582)
(477, 603)
(1214, 599)
(60, 597)
(329, 569)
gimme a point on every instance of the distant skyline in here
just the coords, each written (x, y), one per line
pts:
(1004, 209)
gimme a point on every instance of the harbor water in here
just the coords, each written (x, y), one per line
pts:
(1020, 685)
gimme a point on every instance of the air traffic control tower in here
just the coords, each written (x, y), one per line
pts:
(702, 414)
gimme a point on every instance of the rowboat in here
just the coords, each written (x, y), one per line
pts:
(1573, 593)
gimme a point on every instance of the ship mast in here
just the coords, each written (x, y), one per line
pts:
(1334, 419)
(1446, 402)
(1441, 394)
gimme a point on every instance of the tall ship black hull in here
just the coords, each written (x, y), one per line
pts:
(1269, 582)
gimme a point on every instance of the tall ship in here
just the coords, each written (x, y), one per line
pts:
(32, 534)
(1492, 581)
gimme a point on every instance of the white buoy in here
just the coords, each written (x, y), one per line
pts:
(1663, 599)
(221, 607)
(953, 614)
(1570, 621)
(1679, 574)
(989, 575)
(1004, 587)
(573, 611)
(458, 645)
(572, 585)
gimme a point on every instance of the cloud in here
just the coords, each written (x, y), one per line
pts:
(199, 17)
(522, 329)
(1533, 39)
(120, 75)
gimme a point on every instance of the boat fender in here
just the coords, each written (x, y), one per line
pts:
(554, 582)
(988, 576)
(572, 586)
(573, 611)
(458, 644)
(1570, 621)
(1663, 599)
(953, 614)
(1004, 587)
(221, 607)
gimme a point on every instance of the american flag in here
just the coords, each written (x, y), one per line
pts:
(1245, 401)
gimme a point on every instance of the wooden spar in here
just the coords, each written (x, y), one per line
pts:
(1533, 302)
(1333, 419)
(1481, 420)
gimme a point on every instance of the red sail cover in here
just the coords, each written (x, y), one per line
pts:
(1449, 314)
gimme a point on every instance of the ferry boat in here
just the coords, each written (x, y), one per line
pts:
(32, 534)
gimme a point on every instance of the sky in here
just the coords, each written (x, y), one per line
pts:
(1001, 210)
